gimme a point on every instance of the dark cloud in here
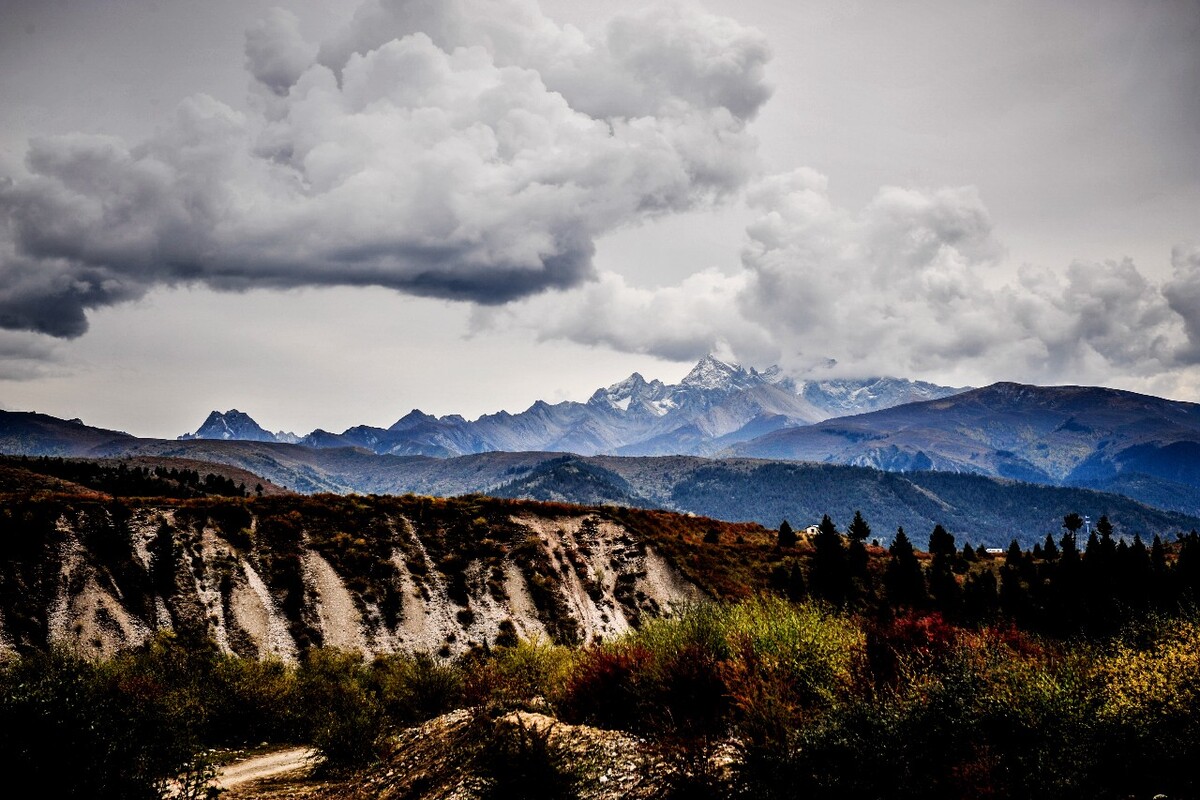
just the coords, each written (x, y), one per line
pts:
(469, 150)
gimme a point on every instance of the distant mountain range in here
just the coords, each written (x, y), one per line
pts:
(1001, 461)
(1142, 446)
(715, 406)
(984, 510)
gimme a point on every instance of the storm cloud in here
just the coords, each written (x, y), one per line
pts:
(467, 150)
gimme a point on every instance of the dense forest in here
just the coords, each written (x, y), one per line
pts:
(120, 479)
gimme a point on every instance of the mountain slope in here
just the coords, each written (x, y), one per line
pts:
(24, 433)
(981, 508)
(1050, 434)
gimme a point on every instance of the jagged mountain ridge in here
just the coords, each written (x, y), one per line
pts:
(715, 405)
(237, 426)
(982, 509)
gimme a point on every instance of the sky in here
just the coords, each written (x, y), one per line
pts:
(327, 214)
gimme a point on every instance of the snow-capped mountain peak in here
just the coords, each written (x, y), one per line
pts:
(231, 425)
(634, 390)
(842, 396)
(715, 404)
(713, 373)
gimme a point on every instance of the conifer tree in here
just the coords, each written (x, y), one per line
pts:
(857, 558)
(829, 573)
(859, 530)
(941, 542)
(903, 581)
(1050, 548)
(943, 586)
(787, 536)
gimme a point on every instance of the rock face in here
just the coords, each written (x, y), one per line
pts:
(272, 578)
(237, 425)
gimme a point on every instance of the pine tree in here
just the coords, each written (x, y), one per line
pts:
(859, 530)
(787, 536)
(903, 581)
(943, 585)
(1050, 548)
(829, 573)
(941, 542)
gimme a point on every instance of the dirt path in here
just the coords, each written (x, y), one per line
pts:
(268, 765)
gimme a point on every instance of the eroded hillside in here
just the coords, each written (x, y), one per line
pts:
(274, 576)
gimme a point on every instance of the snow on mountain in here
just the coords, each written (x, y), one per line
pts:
(715, 404)
(232, 425)
(843, 397)
(711, 373)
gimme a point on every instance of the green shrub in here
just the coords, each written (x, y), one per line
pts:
(346, 719)
(414, 688)
(514, 677)
(74, 729)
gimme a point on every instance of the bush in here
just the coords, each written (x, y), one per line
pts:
(414, 688)
(75, 729)
(514, 677)
(518, 761)
(346, 720)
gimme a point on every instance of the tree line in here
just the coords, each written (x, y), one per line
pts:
(1061, 586)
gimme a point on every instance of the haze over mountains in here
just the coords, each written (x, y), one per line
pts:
(716, 405)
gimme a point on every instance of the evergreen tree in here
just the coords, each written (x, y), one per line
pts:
(1050, 548)
(1014, 557)
(903, 581)
(787, 536)
(829, 573)
(859, 530)
(943, 585)
(941, 542)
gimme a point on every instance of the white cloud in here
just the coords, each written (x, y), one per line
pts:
(470, 150)
(910, 285)
(674, 323)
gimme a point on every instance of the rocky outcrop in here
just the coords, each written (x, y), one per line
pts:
(274, 577)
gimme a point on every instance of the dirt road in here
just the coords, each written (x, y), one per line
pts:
(268, 765)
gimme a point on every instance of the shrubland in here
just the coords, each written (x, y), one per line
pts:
(818, 666)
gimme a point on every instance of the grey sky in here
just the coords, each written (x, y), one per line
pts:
(1047, 152)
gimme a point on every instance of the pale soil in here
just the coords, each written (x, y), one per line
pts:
(278, 774)
(437, 761)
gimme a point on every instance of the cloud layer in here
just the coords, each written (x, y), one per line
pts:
(469, 150)
(911, 285)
